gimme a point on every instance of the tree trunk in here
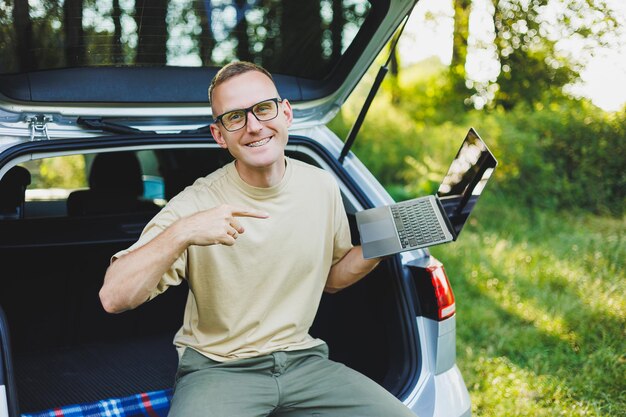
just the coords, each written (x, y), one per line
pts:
(295, 16)
(459, 45)
(74, 34)
(241, 32)
(24, 35)
(336, 27)
(150, 16)
(206, 41)
(394, 70)
(118, 53)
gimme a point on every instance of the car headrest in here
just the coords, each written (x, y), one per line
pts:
(12, 191)
(116, 172)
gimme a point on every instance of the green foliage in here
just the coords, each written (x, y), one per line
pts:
(541, 311)
(530, 62)
(387, 136)
(526, 75)
(527, 44)
(565, 154)
(41, 35)
(60, 172)
(429, 94)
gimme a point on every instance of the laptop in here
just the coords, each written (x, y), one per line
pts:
(435, 219)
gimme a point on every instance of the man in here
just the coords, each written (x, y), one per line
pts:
(258, 241)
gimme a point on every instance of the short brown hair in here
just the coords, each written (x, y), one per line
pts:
(231, 70)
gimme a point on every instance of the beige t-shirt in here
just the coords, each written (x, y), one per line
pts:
(260, 295)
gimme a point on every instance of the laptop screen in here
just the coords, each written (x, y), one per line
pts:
(468, 174)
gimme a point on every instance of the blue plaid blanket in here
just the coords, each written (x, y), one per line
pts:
(147, 404)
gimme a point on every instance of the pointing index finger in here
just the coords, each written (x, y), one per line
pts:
(249, 212)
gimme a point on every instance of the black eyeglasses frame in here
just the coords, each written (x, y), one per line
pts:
(247, 110)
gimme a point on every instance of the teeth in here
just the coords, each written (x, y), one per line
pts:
(258, 143)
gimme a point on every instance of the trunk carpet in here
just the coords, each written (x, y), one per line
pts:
(94, 372)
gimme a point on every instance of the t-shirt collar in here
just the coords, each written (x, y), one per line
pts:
(260, 192)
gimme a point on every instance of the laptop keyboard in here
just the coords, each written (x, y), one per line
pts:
(417, 223)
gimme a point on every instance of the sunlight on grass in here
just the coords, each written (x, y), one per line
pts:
(608, 296)
(515, 264)
(506, 390)
(541, 302)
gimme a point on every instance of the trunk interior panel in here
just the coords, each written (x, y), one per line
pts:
(66, 349)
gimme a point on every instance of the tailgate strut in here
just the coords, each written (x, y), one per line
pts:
(370, 97)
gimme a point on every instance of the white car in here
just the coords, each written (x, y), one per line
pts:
(103, 118)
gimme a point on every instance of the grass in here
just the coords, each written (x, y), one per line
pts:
(541, 311)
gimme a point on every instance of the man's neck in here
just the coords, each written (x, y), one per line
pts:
(264, 177)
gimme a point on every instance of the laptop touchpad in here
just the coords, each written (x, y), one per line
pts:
(377, 230)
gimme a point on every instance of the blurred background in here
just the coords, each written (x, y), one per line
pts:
(539, 274)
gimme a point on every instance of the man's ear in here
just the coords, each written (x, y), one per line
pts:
(287, 111)
(217, 135)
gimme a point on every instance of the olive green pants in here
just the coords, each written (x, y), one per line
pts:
(287, 384)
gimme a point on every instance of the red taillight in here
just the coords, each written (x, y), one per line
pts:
(443, 290)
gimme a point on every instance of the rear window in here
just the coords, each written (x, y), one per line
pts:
(300, 38)
(53, 180)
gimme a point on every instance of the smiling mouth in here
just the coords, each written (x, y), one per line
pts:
(258, 143)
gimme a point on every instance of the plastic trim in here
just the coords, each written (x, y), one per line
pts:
(8, 392)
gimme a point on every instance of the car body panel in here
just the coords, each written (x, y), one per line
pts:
(447, 387)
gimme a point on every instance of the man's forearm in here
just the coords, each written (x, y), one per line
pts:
(349, 270)
(130, 280)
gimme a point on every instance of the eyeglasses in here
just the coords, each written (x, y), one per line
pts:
(237, 119)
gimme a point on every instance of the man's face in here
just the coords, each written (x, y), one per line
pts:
(258, 145)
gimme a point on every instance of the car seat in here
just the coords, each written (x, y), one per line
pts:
(13, 192)
(115, 186)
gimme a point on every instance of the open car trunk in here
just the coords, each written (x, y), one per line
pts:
(67, 350)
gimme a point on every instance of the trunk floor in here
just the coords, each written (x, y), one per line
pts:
(94, 372)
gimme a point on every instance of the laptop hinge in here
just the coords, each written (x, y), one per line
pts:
(370, 97)
(446, 219)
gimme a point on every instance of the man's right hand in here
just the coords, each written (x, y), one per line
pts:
(218, 225)
(131, 278)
